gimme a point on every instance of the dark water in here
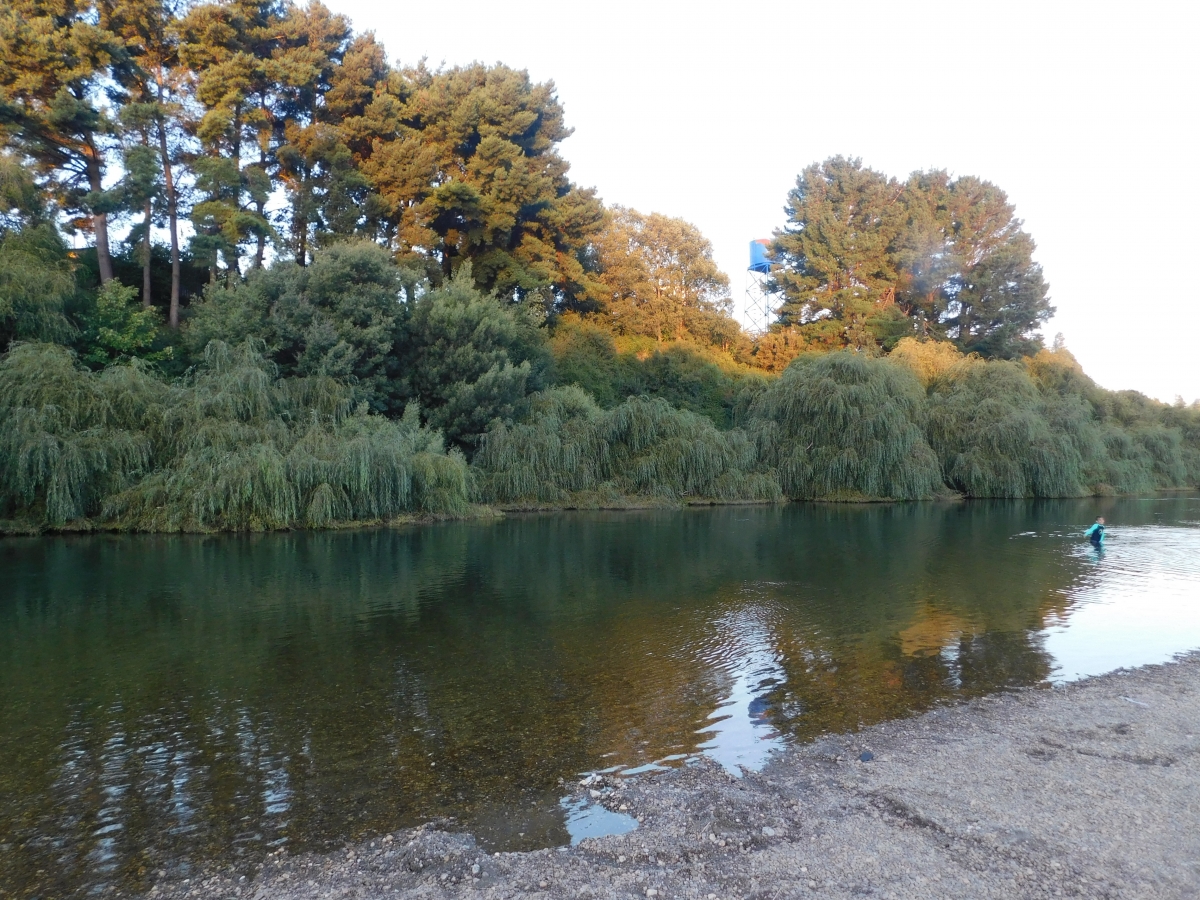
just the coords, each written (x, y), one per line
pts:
(167, 701)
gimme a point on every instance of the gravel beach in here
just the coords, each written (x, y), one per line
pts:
(1088, 790)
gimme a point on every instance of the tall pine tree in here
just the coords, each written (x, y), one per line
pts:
(154, 79)
(866, 260)
(473, 174)
(228, 46)
(54, 60)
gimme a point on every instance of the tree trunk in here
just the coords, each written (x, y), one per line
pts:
(235, 261)
(302, 241)
(261, 205)
(173, 219)
(260, 250)
(146, 255)
(99, 220)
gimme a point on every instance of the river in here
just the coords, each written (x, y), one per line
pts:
(173, 702)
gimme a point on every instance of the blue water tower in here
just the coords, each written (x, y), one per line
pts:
(758, 256)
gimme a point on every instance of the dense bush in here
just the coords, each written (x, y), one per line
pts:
(844, 426)
(470, 358)
(571, 451)
(340, 317)
(231, 447)
(688, 375)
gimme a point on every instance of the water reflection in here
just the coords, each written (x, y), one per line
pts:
(167, 701)
(585, 819)
(741, 731)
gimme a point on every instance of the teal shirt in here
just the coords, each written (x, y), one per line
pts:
(1092, 531)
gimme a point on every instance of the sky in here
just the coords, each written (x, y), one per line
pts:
(1086, 114)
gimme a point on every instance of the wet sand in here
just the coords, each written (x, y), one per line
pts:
(1089, 790)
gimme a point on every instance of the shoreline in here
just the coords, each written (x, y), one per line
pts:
(1091, 789)
(479, 512)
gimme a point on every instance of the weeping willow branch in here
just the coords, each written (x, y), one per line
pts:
(230, 448)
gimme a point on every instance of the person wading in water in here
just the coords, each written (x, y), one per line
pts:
(1095, 534)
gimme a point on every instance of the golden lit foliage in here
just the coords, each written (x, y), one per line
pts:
(928, 360)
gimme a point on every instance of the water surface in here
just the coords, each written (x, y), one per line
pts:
(168, 701)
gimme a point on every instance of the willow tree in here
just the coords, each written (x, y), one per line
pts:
(568, 450)
(230, 447)
(841, 426)
(473, 174)
(989, 426)
(54, 61)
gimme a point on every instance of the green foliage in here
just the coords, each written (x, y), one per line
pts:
(687, 375)
(37, 283)
(660, 281)
(572, 452)
(54, 60)
(511, 280)
(233, 447)
(842, 426)
(867, 261)
(928, 360)
(119, 328)
(69, 437)
(339, 317)
(989, 428)
(466, 169)
(36, 286)
(469, 358)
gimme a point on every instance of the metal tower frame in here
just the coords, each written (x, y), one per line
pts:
(759, 306)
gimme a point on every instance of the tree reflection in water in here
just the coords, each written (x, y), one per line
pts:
(173, 700)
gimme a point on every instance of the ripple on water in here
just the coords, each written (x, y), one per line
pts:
(168, 702)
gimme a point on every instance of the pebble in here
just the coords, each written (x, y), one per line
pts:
(768, 831)
(866, 756)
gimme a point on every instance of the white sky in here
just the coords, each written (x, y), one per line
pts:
(1085, 113)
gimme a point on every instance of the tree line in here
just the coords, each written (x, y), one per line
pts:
(313, 278)
(249, 130)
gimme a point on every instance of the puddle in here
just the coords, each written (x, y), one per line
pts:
(591, 820)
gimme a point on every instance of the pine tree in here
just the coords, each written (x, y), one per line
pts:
(998, 295)
(54, 59)
(228, 47)
(474, 175)
(866, 261)
(834, 269)
(324, 185)
(154, 78)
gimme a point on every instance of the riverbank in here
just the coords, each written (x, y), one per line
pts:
(475, 512)
(1088, 790)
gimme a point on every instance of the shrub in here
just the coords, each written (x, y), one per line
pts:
(988, 425)
(842, 426)
(233, 447)
(571, 451)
